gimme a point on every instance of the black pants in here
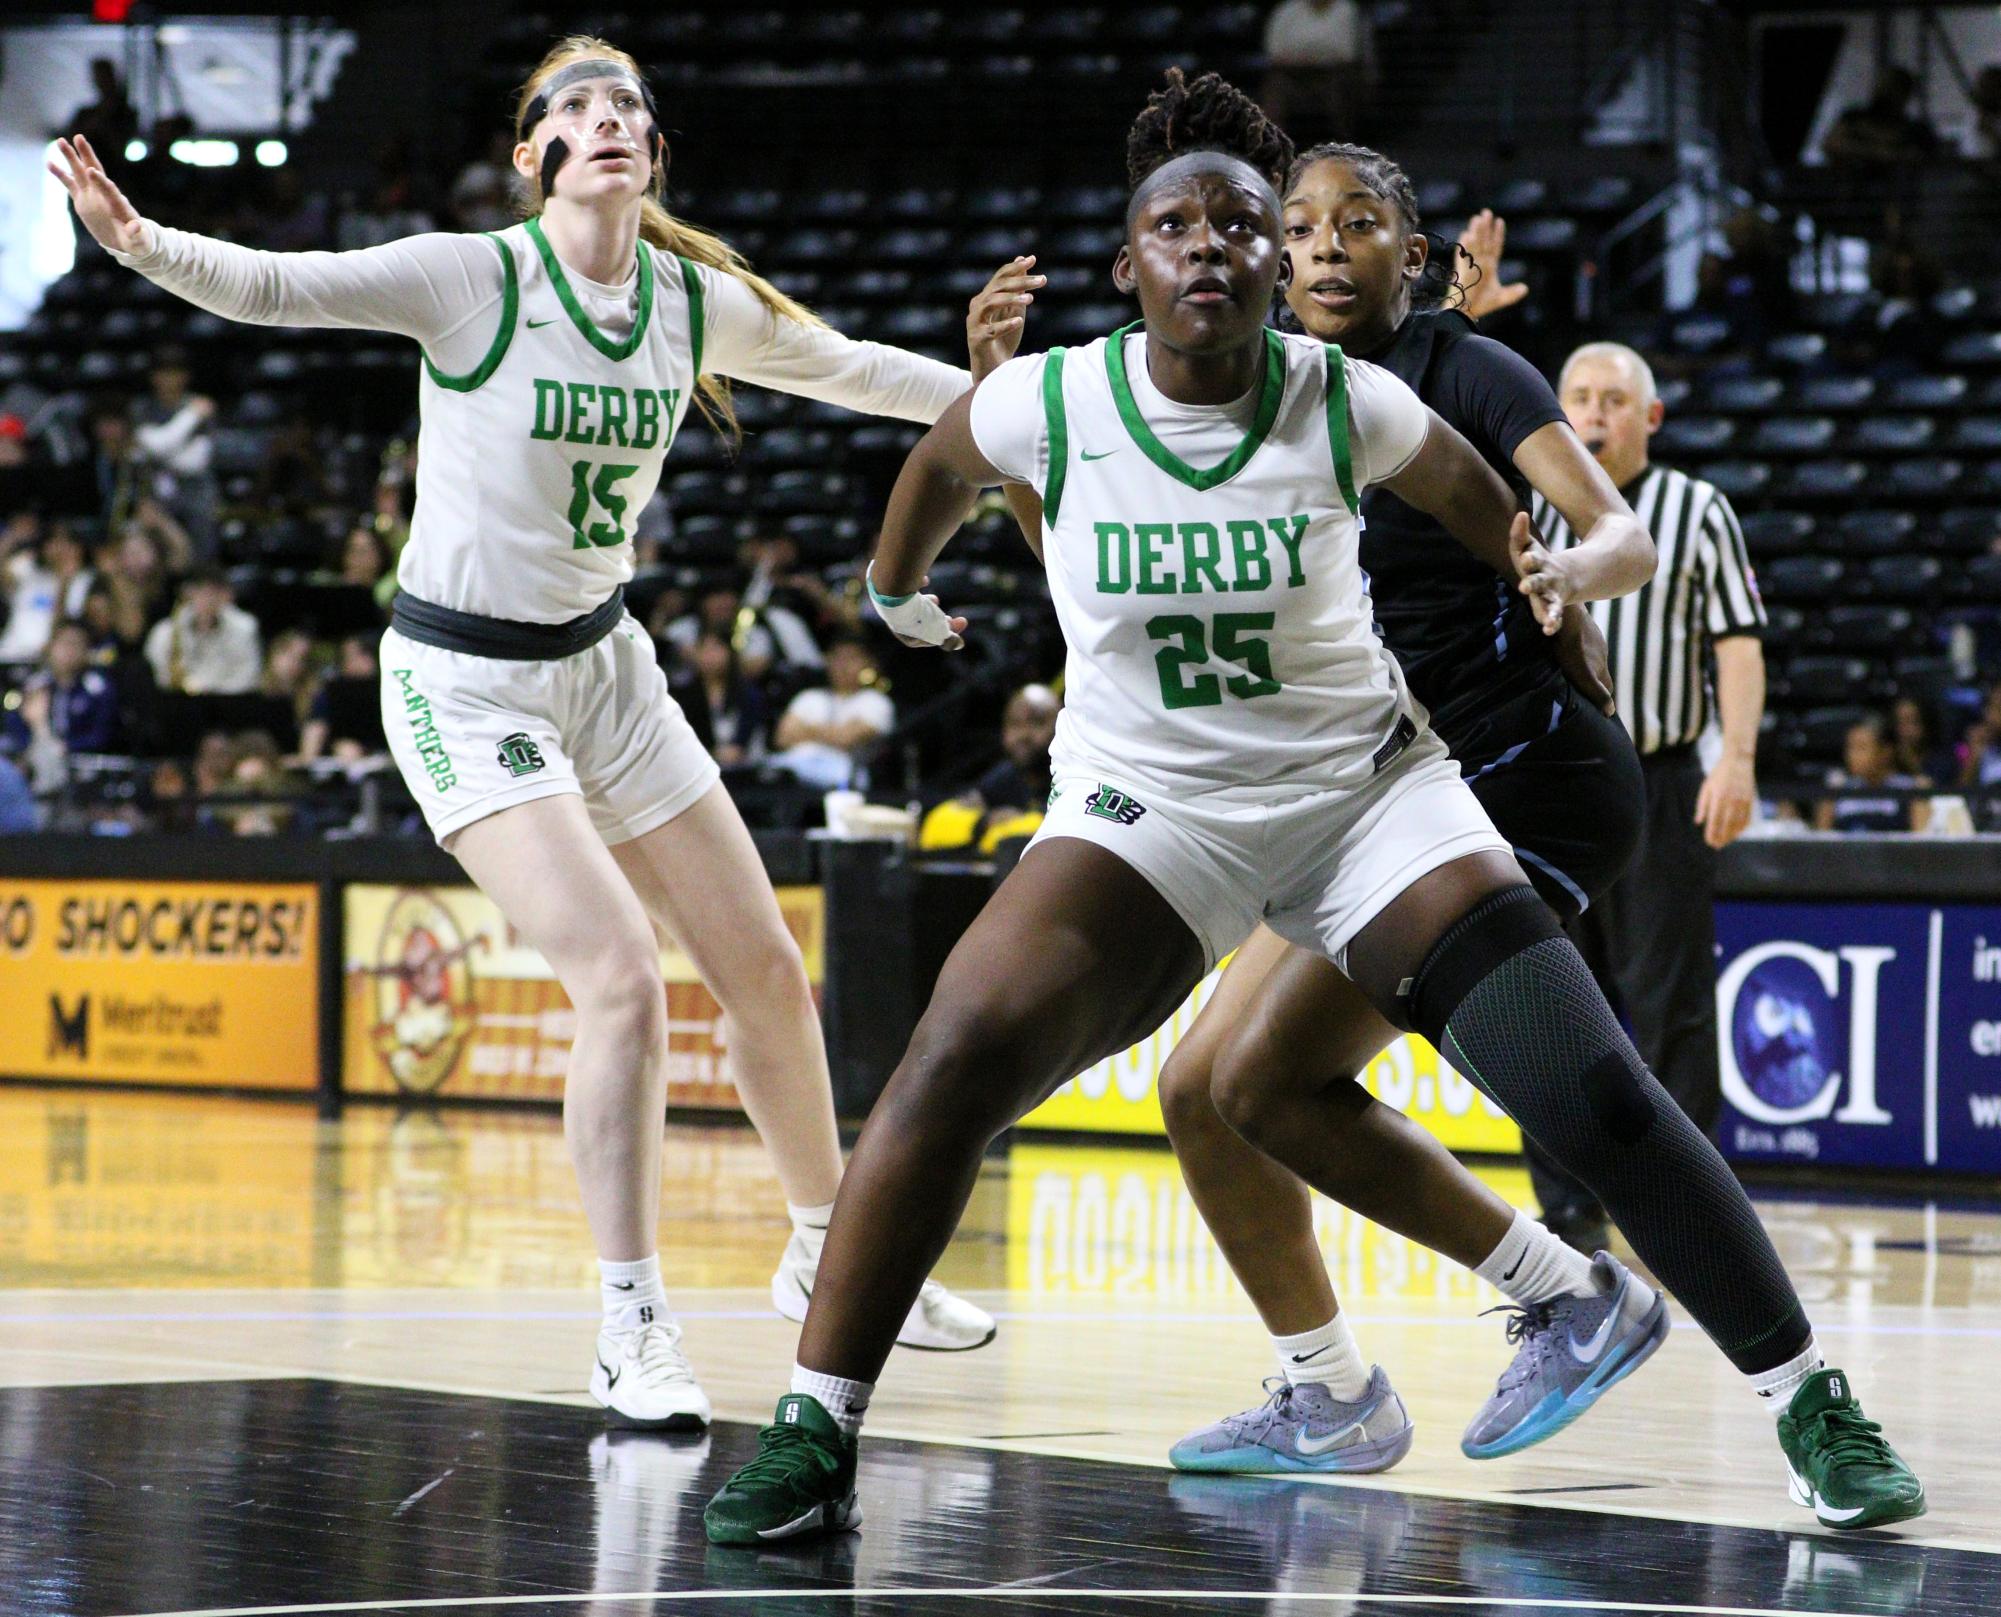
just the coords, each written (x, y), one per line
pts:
(1651, 943)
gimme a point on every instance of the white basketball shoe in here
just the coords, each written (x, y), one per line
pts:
(644, 1382)
(938, 1321)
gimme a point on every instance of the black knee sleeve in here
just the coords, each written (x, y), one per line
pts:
(1510, 1003)
(1488, 935)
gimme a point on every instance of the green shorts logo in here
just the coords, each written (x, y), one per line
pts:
(520, 755)
(424, 733)
(1109, 803)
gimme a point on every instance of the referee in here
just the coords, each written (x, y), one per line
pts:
(1651, 940)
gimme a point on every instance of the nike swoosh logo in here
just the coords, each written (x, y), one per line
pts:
(1320, 1445)
(1308, 1358)
(1587, 1352)
(1518, 1263)
(537, 325)
(624, 1285)
(610, 1375)
(1087, 455)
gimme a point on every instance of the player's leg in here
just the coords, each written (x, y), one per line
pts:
(545, 867)
(1075, 956)
(1326, 1410)
(655, 796)
(702, 881)
(1471, 958)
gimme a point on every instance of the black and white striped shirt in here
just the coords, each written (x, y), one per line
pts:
(1702, 590)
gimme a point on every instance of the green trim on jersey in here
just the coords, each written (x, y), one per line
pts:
(1337, 426)
(596, 338)
(1158, 452)
(510, 306)
(1059, 435)
(697, 320)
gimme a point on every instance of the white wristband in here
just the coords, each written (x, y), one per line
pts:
(911, 617)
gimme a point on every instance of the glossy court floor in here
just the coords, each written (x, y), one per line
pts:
(251, 1361)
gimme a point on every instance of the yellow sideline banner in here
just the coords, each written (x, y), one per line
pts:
(205, 983)
(441, 997)
(1120, 1095)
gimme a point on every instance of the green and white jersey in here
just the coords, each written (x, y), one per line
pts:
(548, 399)
(533, 467)
(1203, 564)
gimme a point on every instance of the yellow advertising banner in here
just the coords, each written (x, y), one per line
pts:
(205, 983)
(442, 997)
(1120, 1095)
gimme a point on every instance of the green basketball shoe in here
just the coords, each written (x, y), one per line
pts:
(802, 1481)
(1837, 1463)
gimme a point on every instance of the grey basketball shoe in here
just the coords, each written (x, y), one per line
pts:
(1570, 1349)
(1304, 1428)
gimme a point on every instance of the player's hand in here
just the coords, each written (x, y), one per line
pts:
(1544, 578)
(111, 220)
(1585, 659)
(999, 313)
(1723, 806)
(1484, 237)
(918, 620)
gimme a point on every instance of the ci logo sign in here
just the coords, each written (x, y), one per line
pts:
(1778, 1012)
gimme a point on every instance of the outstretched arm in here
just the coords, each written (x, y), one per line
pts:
(431, 288)
(1615, 553)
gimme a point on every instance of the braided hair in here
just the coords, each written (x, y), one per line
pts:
(1205, 114)
(1439, 286)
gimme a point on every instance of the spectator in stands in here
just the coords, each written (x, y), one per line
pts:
(793, 602)
(1980, 752)
(828, 733)
(214, 764)
(1028, 730)
(19, 814)
(721, 611)
(1323, 68)
(108, 122)
(1882, 132)
(482, 197)
(726, 708)
(253, 805)
(174, 432)
(1868, 784)
(1914, 743)
(345, 720)
(364, 558)
(114, 467)
(139, 570)
(66, 706)
(47, 579)
(394, 209)
(288, 670)
(209, 646)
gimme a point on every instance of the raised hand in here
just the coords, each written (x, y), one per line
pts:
(111, 220)
(999, 313)
(1543, 577)
(1484, 237)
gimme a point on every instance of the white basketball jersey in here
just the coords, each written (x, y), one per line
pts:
(1218, 621)
(533, 469)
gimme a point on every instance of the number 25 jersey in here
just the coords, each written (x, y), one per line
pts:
(1204, 565)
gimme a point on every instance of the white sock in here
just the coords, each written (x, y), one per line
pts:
(632, 1294)
(809, 1224)
(1777, 1386)
(1531, 1266)
(846, 1401)
(1327, 1356)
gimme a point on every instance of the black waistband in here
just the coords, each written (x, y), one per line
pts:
(503, 638)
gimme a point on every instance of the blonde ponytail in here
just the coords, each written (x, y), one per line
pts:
(660, 229)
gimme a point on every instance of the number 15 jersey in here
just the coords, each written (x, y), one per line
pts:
(1204, 565)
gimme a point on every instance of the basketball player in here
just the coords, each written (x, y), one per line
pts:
(1561, 780)
(524, 706)
(1235, 745)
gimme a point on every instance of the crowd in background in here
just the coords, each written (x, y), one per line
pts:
(143, 643)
